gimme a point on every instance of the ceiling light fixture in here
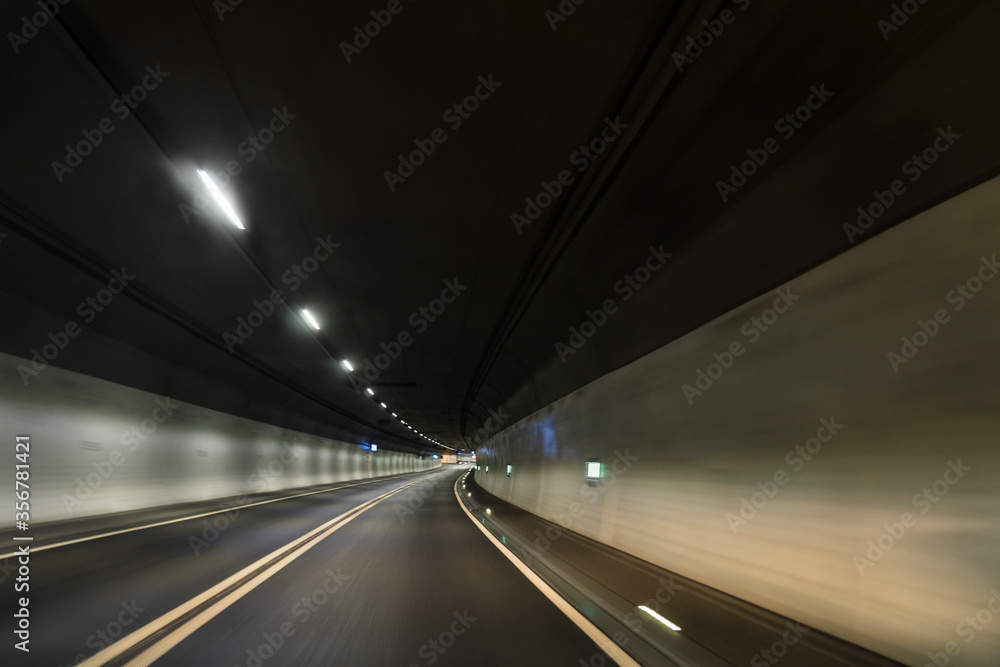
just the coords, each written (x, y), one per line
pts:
(347, 365)
(220, 198)
(310, 319)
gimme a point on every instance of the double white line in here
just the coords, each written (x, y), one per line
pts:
(180, 519)
(153, 640)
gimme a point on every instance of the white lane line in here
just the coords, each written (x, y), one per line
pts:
(186, 518)
(606, 644)
(286, 554)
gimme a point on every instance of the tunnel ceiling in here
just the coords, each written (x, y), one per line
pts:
(314, 183)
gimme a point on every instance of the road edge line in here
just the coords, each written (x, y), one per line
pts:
(604, 642)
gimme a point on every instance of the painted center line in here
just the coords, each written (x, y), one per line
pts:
(99, 536)
(153, 640)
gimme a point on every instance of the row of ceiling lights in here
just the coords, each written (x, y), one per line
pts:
(371, 392)
(227, 208)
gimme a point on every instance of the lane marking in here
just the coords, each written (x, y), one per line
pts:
(190, 518)
(605, 643)
(268, 566)
(673, 626)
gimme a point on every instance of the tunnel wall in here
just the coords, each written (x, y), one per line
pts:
(815, 476)
(99, 447)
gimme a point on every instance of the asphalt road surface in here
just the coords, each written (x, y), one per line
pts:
(408, 580)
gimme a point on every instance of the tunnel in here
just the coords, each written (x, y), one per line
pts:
(559, 332)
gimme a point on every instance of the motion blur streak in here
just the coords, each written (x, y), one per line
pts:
(690, 306)
(199, 610)
(728, 492)
(96, 465)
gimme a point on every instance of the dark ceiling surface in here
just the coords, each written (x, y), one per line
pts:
(229, 70)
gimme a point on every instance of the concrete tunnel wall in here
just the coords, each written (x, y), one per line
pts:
(714, 489)
(85, 459)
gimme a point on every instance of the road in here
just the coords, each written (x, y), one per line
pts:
(405, 580)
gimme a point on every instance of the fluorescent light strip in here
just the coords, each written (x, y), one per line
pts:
(310, 319)
(660, 618)
(220, 198)
(347, 365)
